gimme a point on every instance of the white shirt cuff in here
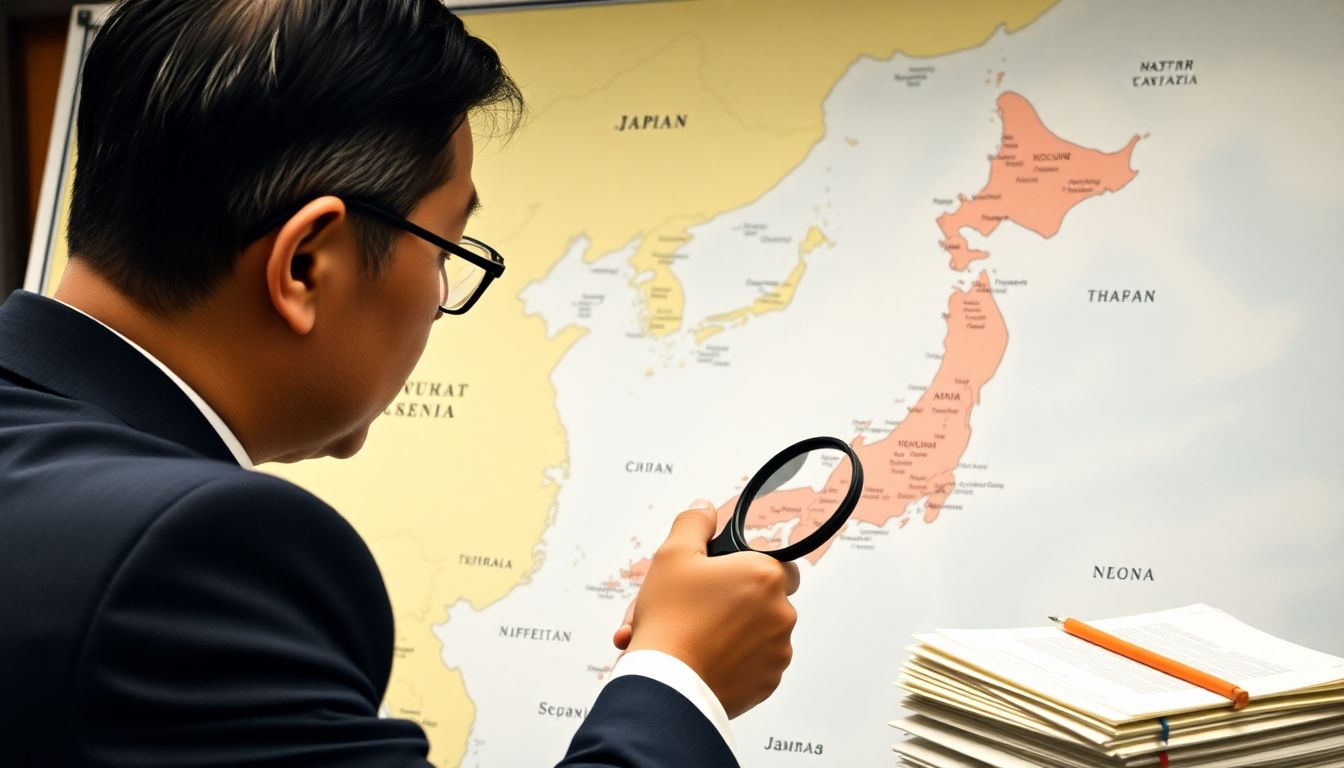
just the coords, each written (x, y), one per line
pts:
(675, 674)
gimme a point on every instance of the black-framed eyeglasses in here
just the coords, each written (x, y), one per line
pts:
(466, 269)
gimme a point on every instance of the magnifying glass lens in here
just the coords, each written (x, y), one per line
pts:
(797, 499)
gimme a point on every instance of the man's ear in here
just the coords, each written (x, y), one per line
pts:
(299, 266)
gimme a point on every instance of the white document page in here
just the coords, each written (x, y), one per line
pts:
(1091, 679)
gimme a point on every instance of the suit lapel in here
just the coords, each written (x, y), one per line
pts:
(62, 351)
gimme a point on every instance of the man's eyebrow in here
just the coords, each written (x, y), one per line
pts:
(473, 205)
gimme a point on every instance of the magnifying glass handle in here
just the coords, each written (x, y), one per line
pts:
(723, 544)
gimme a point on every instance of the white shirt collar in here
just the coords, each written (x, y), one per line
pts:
(225, 434)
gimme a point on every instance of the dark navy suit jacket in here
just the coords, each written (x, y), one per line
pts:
(162, 606)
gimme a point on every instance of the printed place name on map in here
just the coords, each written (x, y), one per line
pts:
(773, 744)
(1125, 296)
(860, 537)
(485, 561)
(714, 354)
(426, 400)
(1122, 573)
(561, 712)
(648, 467)
(1166, 72)
(914, 76)
(669, 257)
(544, 634)
(663, 122)
(969, 487)
(753, 283)
(419, 410)
(407, 713)
(586, 301)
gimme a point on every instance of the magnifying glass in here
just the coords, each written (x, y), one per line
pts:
(796, 502)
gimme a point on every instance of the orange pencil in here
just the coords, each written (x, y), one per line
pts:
(1189, 674)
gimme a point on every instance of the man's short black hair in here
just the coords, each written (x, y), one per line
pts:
(201, 120)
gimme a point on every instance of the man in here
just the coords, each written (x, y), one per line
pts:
(268, 214)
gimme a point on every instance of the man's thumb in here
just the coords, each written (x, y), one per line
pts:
(695, 526)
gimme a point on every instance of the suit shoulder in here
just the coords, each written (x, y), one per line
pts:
(260, 513)
(233, 487)
(247, 600)
(258, 554)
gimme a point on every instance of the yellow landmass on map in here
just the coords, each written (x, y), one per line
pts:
(779, 296)
(437, 496)
(773, 300)
(660, 291)
(704, 331)
(815, 239)
(452, 487)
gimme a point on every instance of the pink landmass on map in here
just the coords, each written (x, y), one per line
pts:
(1034, 179)
(636, 572)
(918, 458)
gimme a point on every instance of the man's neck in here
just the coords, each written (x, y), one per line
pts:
(198, 358)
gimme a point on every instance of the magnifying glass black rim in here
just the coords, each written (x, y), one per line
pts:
(827, 529)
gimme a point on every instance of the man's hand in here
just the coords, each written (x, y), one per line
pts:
(728, 618)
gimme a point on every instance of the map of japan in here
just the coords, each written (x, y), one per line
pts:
(1035, 179)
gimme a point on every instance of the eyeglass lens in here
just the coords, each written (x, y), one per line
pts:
(458, 278)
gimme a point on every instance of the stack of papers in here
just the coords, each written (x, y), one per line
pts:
(1013, 698)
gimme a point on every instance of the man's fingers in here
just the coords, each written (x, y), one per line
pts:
(787, 571)
(791, 578)
(624, 633)
(693, 528)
